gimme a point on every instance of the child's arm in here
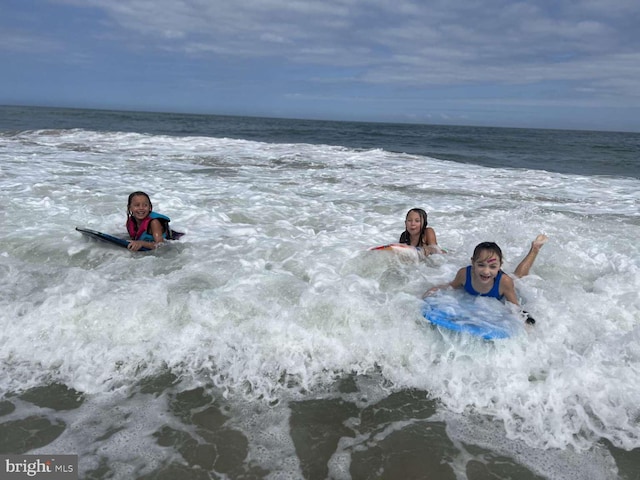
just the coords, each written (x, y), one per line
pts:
(156, 231)
(430, 236)
(430, 242)
(508, 289)
(457, 282)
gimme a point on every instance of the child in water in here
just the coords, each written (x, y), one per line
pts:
(418, 234)
(146, 228)
(484, 277)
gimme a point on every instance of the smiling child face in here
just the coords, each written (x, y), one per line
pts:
(486, 266)
(140, 207)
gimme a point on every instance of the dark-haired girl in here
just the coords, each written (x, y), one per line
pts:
(484, 277)
(147, 228)
(418, 234)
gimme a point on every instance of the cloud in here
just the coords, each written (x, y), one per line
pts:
(434, 42)
(560, 51)
(23, 42)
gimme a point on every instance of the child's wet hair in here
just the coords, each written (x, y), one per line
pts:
(486, 246)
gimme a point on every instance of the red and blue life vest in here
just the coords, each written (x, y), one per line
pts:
(141, 232)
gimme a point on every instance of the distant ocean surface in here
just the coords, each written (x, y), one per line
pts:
(562, 151)
(269, 343)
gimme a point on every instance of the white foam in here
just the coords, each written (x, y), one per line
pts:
(274, 281)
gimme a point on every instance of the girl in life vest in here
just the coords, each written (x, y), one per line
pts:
(146, 228)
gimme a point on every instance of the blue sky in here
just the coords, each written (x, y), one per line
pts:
(551, 64)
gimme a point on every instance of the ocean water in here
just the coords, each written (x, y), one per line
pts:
(269, 343)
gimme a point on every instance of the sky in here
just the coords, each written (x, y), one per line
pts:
(571, 64)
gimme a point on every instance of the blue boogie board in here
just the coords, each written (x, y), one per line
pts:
(472, 315)
(105, 237)
(120, 242)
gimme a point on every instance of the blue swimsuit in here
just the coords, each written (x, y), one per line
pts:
(494, 292)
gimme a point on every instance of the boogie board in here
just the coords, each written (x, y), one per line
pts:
(473, 316)
(105, 237)
(401, 247)
(407, 249)
(120, 242)
(405, 252)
